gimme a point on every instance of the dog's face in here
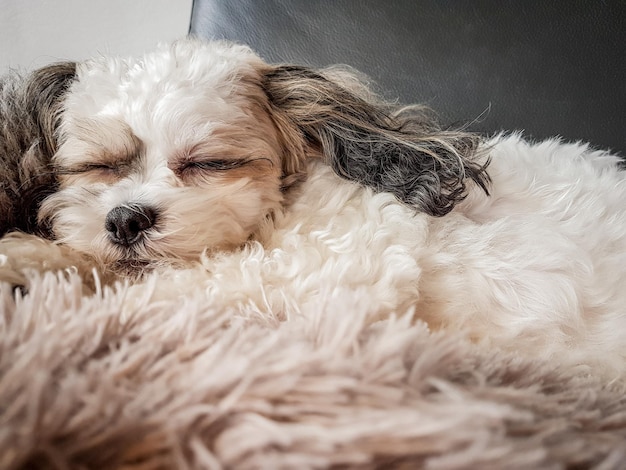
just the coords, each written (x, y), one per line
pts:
(192, 147)
(166, 157)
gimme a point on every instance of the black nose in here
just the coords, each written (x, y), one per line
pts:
(125, 224)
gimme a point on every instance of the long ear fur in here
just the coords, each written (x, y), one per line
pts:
(398, 150)
(29, 117)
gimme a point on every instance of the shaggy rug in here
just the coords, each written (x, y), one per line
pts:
(284, 356)
(118, 381)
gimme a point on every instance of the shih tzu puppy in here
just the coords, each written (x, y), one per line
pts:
(132, 165)
(137, 163)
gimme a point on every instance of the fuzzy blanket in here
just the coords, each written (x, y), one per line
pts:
(115, 381)
(283, 356)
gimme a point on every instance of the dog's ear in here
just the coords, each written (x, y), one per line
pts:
(398, 150)
(44, 90)
(32, 121)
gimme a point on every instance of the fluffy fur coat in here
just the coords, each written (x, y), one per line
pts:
(406, 305)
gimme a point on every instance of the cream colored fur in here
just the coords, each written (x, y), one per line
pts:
(143, 378)
(535, 269)
(308, 325)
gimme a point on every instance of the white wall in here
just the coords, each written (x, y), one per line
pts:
(37, 32)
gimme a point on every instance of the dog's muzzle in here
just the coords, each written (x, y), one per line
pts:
(126, 224)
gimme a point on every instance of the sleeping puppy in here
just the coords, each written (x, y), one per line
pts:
(130, 166)
(137, 163)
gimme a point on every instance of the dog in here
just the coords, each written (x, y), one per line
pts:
(128, 166)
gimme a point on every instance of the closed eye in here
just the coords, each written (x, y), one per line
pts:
(214, 165)
(87, 167)
(218, 165)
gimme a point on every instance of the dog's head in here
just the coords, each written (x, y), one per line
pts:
(194, 146)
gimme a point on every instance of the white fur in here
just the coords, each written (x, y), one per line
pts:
(537, 267)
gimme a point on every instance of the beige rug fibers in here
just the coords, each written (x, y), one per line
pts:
(130, 379)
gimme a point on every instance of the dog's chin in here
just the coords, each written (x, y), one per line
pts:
(136, 268)
(148, 254)
(135, 263)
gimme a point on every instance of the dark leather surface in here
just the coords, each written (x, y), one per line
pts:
(548, 67)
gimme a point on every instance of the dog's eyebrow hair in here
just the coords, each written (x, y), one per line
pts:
(100, 157)
(131, 144)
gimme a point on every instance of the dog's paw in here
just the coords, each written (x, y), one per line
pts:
(23, 256)
(11, 278)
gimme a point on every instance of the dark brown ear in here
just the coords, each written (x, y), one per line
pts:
(401, 150)
(29, 112)
(44, 89)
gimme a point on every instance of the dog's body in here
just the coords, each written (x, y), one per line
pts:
(201, 148)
